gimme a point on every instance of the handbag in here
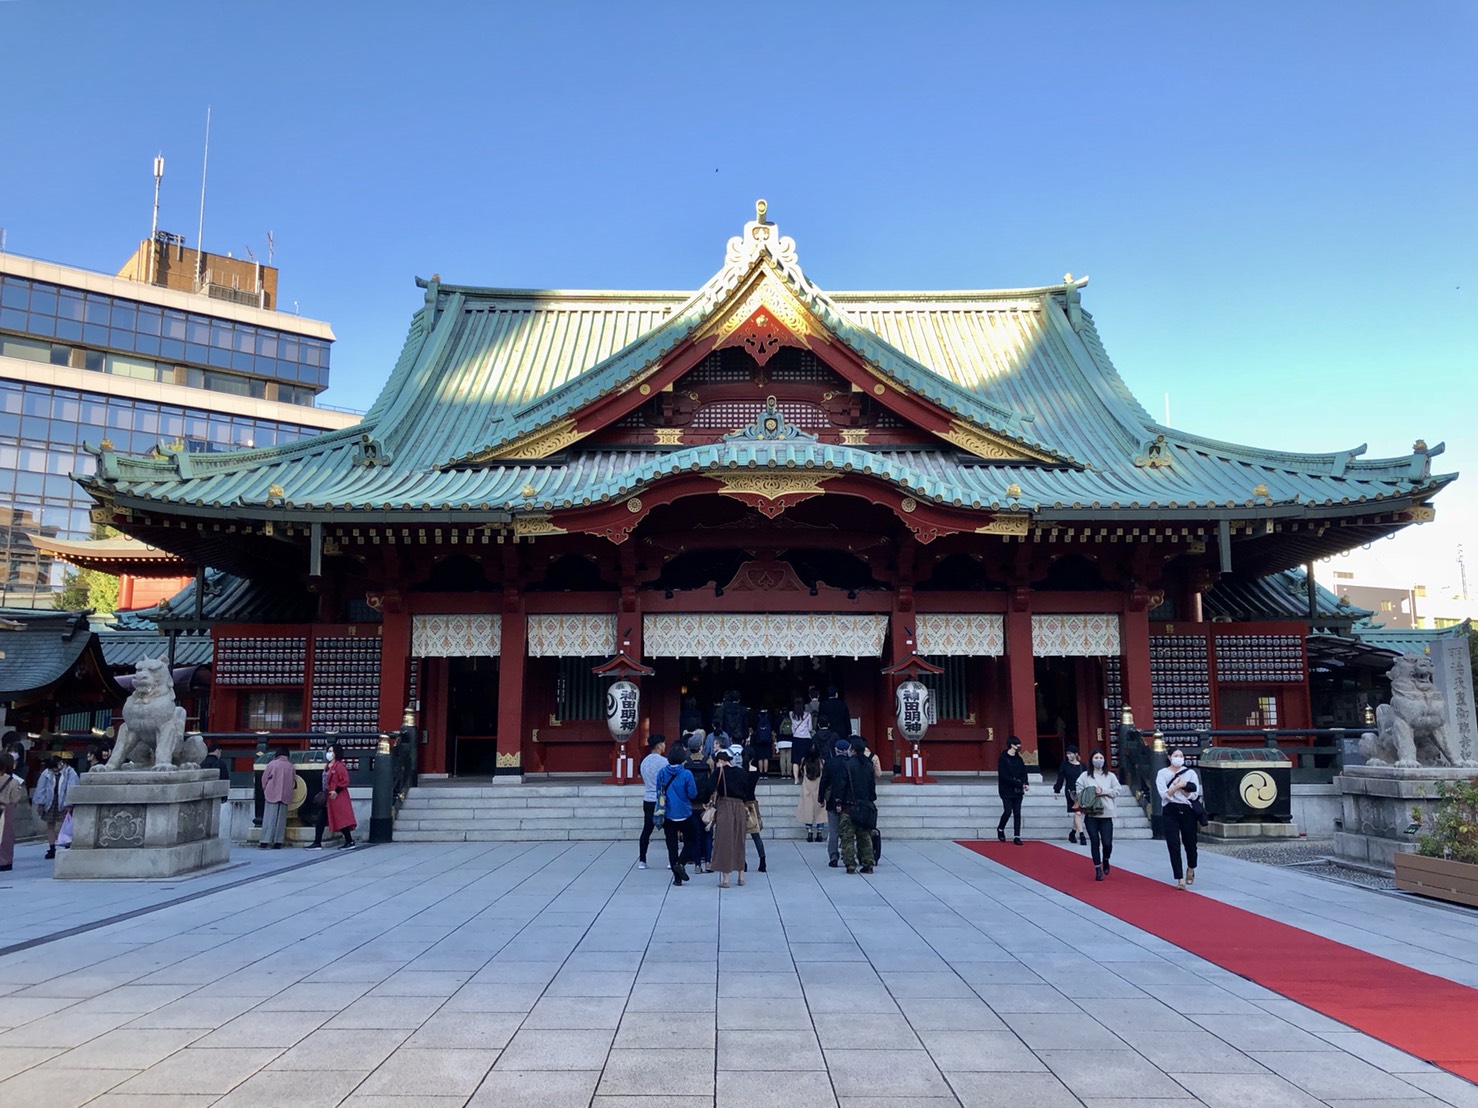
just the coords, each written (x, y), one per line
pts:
(320, 799)
(754, 823)
(1195, 803)
(710, 813)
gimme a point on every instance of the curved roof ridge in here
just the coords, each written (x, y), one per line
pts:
(1321, 461)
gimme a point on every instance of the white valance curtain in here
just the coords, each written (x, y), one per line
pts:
(572, 635)
(1075, 636)
(759, 635)
(469, 636)
(949, 634)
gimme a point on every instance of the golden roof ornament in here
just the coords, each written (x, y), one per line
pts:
(1013, 490)
(1260, 490)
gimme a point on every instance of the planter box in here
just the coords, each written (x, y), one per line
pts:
(1440, 878)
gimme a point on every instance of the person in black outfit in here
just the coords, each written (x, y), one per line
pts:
(733, 718)
(215, 759)
(861, 788)
(700, 838)
(1067, 778)
(833, 791)
(834, 713)
(1012, 782)
(749, 758)
(690, 719)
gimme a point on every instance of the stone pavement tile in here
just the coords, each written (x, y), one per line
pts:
(329, 1049)
(937, 984)
(794, 1049)
(907, 1073)
(64, 1030)
(557, 1050)
(654, 1074)
(15, 1059)
(678, 973)
(274, 1088)
(758, 1089)
(420, 1100)
(314, 996)
(422, 983)
(665, 1031)
(1085, 984)
(1210, 999)
(742, 983)
(279, 1029)
(1177, 1051)
(996, 973)
(1052, 1032)
(985, 1051)
(129, 1049)
(19, 1010)
(1447, 1087)
(827, 952)
(1185, 1101)
(1018, 1090)
(136, 999)
(154, 1100)
(452, 1072)
(1305, 1019)
(616, 983)
(372, 972)
(743, 1013)
(1027, 998)
(1335, 1074)
(662, 997)
(198, 1070)
(1116, 1073)
(936, 1014)
(849, 998)
(587, 959)
(1246, 1032)
(196, 1010)
(507, 973)
(817, 974)
(1238, 1090)
(576, 1012)
(1146, 1014)
(539, 1088)
(78, 985)
(59, 1088)
(386, 1013)
(472, 1030)
(516, 996)
(866, 1031)
(1377, 1053)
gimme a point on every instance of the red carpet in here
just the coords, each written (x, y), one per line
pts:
(1430, 1017)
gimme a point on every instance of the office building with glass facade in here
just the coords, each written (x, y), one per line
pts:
(87, 357)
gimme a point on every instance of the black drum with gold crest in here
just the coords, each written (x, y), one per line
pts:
(1253, 785)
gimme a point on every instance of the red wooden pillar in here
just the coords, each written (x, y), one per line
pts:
(1020, 667)
(436, 678)
(511, 665)
(395, 650)
(1134, 643)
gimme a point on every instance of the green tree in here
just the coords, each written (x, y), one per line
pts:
(90, 588)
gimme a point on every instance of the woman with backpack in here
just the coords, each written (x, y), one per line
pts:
(1097, 798)
(799, 718)
(808, 809)
(763, 741)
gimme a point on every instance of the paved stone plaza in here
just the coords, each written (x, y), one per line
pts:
(559, 974)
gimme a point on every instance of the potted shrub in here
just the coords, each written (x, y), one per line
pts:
(1445, 865)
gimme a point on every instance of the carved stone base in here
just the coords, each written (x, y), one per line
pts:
(145, 824)
(1377, 803)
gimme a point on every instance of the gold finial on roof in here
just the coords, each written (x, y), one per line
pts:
(1067, 278)
(106, 444)
(760, 208)
(1419, 447)
(1013, 489)
(275, 491)
(529, 491)
(1260, 490)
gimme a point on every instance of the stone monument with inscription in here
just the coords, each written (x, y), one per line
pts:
(1417, 746)
(151, 811)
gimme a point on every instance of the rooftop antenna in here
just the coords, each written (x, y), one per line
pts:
(1462, 570)
(271, 247)
(1167, 409)
(154, 223)
(200, 230)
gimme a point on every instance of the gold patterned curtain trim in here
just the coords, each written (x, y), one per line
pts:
(456, 636)
(1092, 635)
(572, 635)
(953, 634)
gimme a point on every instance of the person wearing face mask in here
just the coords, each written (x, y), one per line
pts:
(336, 791)
(1067, 779)
(1012, 783)
(1098, 814)
(1177, 783)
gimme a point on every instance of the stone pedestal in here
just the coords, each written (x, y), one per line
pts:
(1376, 810)
(145, 824)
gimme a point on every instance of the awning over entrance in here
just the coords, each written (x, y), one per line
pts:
(1075, 636)
(715, 635)
(469, 636)
(951, 634)
(571, 635)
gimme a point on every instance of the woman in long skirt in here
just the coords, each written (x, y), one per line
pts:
(808, 809)
(730, 791)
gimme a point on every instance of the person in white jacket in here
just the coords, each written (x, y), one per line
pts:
(1098, 818)
(53, 798)
(1177, 783)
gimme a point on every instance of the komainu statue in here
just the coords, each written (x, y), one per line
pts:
(1412, 728)
(152, 735)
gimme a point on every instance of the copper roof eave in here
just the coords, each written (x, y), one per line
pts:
(114, 556)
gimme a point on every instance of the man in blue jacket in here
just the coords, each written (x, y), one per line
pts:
(677, 784)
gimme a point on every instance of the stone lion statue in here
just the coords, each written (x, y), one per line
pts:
(152, 735)
(1412, 728)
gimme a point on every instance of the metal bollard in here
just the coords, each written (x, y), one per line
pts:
(382, 817)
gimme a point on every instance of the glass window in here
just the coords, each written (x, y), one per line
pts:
(124, 315)
(243, 363)
(172, 350)
(69, 306)
(28, 484)
(151, 320)
(43, 299)
(269, 711)
(65, 434)
(120, 417)
(15, 293)
(94, 360)
(246, 339)
(38, 403)
(146, 344)
(121, 340)
(94, 412)
(41, 324)
(226, 382)
(147, 420)
(61, 355)
(194, 352)
(196, 427)
(10, 399)
(28, 350)
(133, 368)
(32, 459)
(13, 319)
(172, 424)
(220, 335)
(94, 334)
(99, 309)
(67, 329)
(66, 405)
(174, 325)
(199, 332)
(267, 344)
(289, 349)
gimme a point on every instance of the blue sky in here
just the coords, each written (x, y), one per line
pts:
(1274, 201)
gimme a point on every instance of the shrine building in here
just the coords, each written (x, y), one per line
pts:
(759, 486)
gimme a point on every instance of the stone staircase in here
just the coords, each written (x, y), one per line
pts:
(955, 808)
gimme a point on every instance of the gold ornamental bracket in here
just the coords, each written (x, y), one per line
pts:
(1006, 523)
(770, 486)
(992, 446)
(535, 523)
(539, 443)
